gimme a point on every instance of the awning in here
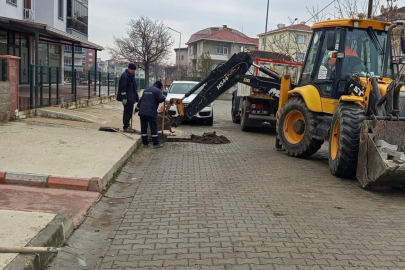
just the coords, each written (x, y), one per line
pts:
(46, 32)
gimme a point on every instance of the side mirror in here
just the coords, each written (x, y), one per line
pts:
(331, 41)
(403, 44)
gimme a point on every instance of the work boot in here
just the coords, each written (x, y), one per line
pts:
(145, 146)
(158, 146)
(129, 130)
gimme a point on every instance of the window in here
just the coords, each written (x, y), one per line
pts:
(13, 2)
(240, 49)
(301, 39)
(90, 54)
(182, 57)
(68, 62)
(309, 64)
(60, 9)
(281, 38)
(300, 57)
(91, 59)
(221, 49)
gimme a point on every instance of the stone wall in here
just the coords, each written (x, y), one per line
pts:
(9, 89)
(4, 101)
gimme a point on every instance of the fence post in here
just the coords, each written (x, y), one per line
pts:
(75, 85)
(3, 69)
(115, 85)
(57, 85)
(88, 83)
(31, 86)
(41, 95)
(99, 85)
(50, 86)
(108, 84)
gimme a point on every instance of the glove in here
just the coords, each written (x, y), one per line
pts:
(124, 101)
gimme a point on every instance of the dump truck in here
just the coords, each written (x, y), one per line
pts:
(348, 93)
(252, 107)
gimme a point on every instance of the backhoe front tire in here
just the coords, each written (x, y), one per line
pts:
(345, 139)
(295, 127)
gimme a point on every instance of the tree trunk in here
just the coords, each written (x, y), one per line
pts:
(147, 74)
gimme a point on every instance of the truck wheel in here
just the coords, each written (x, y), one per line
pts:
(295, 127)
(243, 117)
(234, 112)
(345, 139)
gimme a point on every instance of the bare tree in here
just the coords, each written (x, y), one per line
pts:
(147, 43)
(316, 14)
(344, 9)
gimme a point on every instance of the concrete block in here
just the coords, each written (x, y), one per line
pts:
(68, 183)
(95, 184)
(26, 179)
(384, 144)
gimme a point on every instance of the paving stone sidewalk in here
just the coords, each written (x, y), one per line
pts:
(244, 206)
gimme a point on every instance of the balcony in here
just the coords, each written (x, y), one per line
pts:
(28, 14)
(219, 57)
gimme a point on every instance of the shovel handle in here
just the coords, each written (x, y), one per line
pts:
(28, 250)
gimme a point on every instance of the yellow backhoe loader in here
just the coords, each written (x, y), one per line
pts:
(348, 94)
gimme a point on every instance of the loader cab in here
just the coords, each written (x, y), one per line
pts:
(340, 49)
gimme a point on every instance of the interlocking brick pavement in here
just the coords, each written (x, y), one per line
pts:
(245, 206)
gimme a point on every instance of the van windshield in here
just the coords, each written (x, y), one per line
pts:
(182, 88)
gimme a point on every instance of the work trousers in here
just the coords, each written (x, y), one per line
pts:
(128, 110)
(153, 129)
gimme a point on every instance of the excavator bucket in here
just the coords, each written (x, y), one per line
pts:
(381, 159)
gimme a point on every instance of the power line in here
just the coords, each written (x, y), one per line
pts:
(320, 11)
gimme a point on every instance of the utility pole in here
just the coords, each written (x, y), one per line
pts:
(370, 9)
(265, 30)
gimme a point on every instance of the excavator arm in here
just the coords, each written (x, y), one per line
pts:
(223, 77)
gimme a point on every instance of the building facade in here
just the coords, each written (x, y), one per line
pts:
(36, 31)
(220, 42)
(181, 56)
(291, 40)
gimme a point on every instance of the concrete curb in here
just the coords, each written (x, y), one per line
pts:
(51, 181)
(110, 174)
(95, 184)
(53, 235)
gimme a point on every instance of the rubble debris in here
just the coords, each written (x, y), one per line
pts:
(206, 138)
(389, 151)
(384, 144)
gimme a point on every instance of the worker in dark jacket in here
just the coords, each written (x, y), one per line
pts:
(127, 93)
(147, 108)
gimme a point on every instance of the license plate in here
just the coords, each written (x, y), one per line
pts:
(259, 112)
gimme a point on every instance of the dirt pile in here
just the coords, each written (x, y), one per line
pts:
(206, 138)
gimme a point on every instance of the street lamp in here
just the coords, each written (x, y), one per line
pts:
(265, 30)
(178, 60)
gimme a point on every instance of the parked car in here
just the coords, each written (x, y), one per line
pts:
(178, 89)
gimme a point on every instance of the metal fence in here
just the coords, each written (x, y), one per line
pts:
(50, 86)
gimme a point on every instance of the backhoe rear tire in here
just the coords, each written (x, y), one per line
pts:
(295, 127)
(345, 139)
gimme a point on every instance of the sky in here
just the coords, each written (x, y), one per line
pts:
(108, 18)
